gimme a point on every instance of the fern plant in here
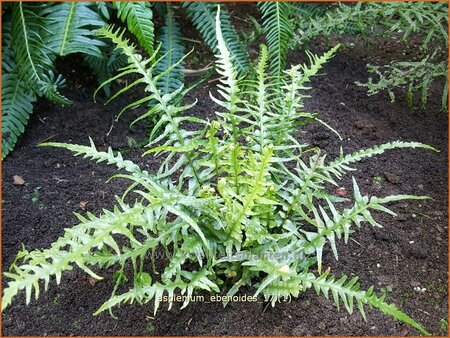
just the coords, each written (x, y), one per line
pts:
(238, 200)
(415, 76)
(428, 20)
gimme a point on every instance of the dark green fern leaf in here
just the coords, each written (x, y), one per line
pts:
(70, 28)
(278, 30)
(17, 105)
(50, 85)
(31, 55)
(139, 19)
(27, 71)
(171, 52)
(17, 99)
(203, 16)
(34, 59)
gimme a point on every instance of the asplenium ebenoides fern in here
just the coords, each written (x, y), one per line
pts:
(278, 32)
(244, 217)
(428, 20)
(172, 52)
(414, 76)
(203, 15)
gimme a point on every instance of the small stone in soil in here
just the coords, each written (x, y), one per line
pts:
(18, 180)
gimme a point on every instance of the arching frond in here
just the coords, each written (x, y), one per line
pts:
(348, 292)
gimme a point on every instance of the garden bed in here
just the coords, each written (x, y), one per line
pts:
(410, 252)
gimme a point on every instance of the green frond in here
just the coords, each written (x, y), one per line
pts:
(34, 59)
(17, 99)
(228, 87)
(275, 108)
(340, 166)
(203, 16)
(17, 106)
(348, 293)
(92, 233)
(172, 53)
(338, 224)
(279, 31)
(156, 291)
(139, 19)
(18, 90)
(99, 156)
(70, 28)
(31, 55)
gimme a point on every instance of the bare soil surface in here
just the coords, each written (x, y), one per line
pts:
(409, 252)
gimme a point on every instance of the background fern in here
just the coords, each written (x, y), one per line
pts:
(171, 52)
(70, 28)
(27, 69)
(278, 32)
(17, 99)
(139, 19)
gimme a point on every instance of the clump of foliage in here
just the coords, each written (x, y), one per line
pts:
(239, 201)
(427, 20)
(35, 35)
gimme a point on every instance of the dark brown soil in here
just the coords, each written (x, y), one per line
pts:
(409, 252)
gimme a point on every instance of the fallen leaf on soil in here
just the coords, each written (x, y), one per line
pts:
(341, 192)
(83, 204)
(18, 180)
(394, 179)
(405, 330)
(362, 125)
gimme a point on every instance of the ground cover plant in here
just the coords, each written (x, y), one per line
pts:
(239, 201)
